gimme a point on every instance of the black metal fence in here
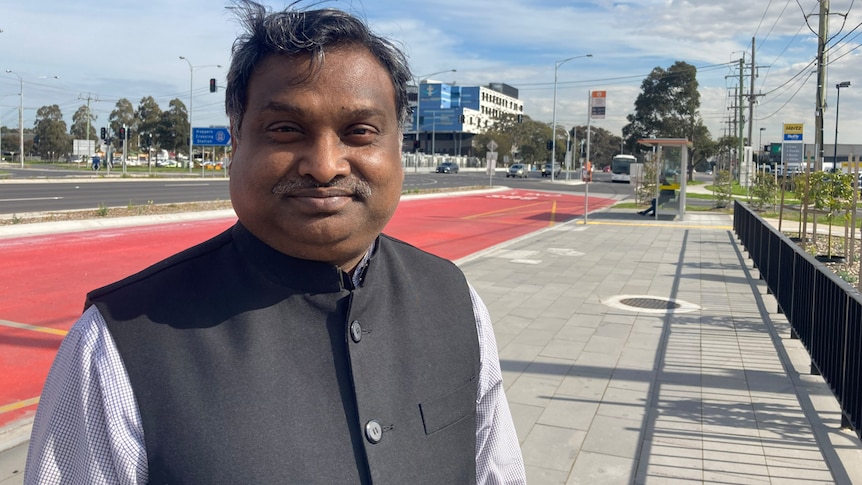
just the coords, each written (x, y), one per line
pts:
(824, 311)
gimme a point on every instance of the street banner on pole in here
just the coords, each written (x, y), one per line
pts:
(597, 104)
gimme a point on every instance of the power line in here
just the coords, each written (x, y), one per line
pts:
(617, 80)
(801, 85)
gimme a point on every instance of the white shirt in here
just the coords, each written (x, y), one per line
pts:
(88, 428)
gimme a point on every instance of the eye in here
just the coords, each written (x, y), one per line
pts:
(283, 132)
(282, 128)
(361, 134)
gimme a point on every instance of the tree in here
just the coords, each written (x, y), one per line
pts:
(9, 139)
(523, 141)
(668, 108)
(122, 115)
(603, 144)
(82, 124)
(172, 130)
(50, 137)
(148, 116)
(763, 189)
(831, 193)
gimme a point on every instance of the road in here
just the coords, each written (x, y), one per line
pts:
(44, 278)
(22, 195)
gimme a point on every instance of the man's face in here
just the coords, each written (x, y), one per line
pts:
(316, 170)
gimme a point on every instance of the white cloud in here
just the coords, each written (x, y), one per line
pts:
(131, 50)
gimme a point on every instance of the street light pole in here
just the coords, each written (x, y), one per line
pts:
(20, 117)
(417, 80)
(191, 99)
(554, 123)
(844, 84)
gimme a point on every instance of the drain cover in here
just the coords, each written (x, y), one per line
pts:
(650, 303)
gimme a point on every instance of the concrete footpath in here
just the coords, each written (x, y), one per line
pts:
(647, 351)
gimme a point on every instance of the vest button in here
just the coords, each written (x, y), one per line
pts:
(373, 431)
(356, 331)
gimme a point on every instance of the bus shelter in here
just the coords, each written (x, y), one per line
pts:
(670, 164)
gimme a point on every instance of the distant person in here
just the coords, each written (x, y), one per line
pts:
(664, 195)
(303, 345)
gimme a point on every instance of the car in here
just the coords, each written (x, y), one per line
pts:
(546, 170)
(447, 167)
(606, 168)
(517, 170)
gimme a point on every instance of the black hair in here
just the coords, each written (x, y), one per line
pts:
(295, 32)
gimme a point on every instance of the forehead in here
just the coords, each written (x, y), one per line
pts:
(345, 72)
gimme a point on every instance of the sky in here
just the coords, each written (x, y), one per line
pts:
(71, 53)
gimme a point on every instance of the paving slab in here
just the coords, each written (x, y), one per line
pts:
(709, 388)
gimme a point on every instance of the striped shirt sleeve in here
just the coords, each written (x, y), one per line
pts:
(498, 454)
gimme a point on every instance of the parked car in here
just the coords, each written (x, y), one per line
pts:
(606, 168)
(447, 167)
(517, 170)
(546, 170)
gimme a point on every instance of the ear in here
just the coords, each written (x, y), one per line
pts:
(234, 143)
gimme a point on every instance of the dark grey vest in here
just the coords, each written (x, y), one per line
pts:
(249, 366)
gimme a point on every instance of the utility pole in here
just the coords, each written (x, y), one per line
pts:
(741, 102)
(88, 99)
(823, 32)
(751, 98)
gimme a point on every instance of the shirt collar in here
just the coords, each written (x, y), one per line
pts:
(302, 274)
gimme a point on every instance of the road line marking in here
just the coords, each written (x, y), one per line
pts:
(187, 185)
(18, 405)
(35, 328)
(508, 209)
(553, 213)
(31, 198)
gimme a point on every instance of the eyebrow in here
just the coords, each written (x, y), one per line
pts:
(278, 106)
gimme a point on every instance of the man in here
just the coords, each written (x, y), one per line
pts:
(309, 348)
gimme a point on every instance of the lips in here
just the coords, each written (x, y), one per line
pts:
(319, 192)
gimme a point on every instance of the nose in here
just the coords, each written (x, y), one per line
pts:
(325, 158)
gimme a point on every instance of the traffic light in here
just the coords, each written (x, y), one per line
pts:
(104, 133)
(415, 144)
(122, 133)
(550, 145)
(213, 86)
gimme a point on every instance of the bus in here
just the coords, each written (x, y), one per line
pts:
(621, 168)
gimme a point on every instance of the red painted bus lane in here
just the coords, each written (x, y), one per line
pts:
(43, 279)
(455, 227)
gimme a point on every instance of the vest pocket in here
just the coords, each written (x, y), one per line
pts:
(449, 408)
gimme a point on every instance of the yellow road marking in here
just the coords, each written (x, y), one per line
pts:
(553, 213)
(18, 405)
(508, 209)
(658, 224)
(35, 328)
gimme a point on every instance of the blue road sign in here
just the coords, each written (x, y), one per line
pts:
(793, 137)
(210, 136)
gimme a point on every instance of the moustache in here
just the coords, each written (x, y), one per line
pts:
(353, 184)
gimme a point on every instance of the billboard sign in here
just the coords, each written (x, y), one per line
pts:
(597, 104)
(793, 131)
